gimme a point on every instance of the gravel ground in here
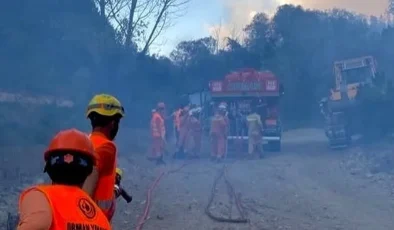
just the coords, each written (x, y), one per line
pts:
(305, 187)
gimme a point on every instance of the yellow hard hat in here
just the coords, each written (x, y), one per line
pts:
(105, 105)
(119, 172)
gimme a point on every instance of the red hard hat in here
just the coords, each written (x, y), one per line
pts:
(71, 140)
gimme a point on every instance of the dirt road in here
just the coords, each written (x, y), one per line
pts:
(305, 187)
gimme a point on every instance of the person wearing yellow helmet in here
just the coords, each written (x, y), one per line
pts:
(105, 112)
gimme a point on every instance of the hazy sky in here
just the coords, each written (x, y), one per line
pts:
(205, 16)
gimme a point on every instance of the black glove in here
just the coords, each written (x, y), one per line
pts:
(119, 191)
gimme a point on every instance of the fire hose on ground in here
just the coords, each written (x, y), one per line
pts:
(145, 214)
(231, 191)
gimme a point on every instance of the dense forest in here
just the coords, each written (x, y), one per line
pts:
(75, 48)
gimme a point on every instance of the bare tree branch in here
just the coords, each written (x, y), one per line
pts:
(163, 25)
(130, 28)
(102, 4)
(147, 10)
(152, 33)
(112, 15)
(132, 17)
(217, 35)
(168, 11)
(115, 9)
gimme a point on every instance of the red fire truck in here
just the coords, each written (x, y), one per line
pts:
(243, 89)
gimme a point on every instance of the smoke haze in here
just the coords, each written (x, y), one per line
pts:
(240, 12)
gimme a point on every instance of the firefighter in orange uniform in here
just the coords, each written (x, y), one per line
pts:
(158, 132)
(255, 128)
(183, 132)
(177, 123)
(63, 204)
(105, 112)
(219, 126)
(195, 133)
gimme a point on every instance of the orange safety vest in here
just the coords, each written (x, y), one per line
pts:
(177, 118)
(104, 194)
(157, 130)
(71, 208)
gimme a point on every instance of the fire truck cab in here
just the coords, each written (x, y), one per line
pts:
(241, 90)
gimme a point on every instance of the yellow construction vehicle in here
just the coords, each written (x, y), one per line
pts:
(358, 89)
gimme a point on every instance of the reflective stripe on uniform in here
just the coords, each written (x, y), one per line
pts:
(105, 106)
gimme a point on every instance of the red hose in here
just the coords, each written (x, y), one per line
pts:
(143, 218)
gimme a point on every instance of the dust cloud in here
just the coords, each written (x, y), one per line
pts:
(375, 7)
(240, 13)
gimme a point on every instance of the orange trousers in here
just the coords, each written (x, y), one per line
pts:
(218, 145)
(183, 135)
(157, 147)
(176, 130)
(254, 142)
(195, 147)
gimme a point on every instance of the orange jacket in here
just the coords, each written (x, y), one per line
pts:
(219, 125)
(106, 165)
(71, 208)
(157, 125)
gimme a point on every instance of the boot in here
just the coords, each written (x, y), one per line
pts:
(218, 160)
(180, 154)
